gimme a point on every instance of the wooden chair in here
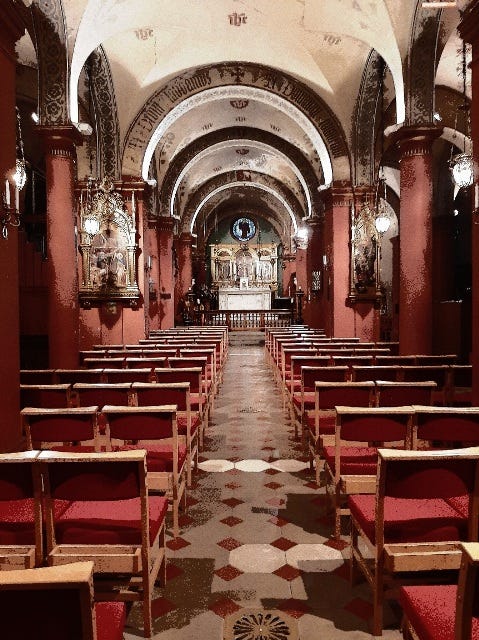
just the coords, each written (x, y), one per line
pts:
(118, 393)
(445, 427)
(20, 511)
(446, 610)
(55, 603)
(375, 372)
(293, 383)
(70, 429)
(431, 360)
(460, 385)
(320, 424)
(45, 395)
(426, 503)
(389, 360)
(114, 376)
(72, 376)
(197, 394)
(189, 422)
(396, 394)
(103, 362)
(435, 373)
(155, 429)
(98, 508)
(303, 401)
(37, 376)
(351, 463)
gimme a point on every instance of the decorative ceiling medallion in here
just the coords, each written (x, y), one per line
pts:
(239, 104)
(242, 151)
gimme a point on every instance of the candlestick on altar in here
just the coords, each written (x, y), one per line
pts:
(7, 193)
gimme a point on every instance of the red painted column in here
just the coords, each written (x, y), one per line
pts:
(185, 269)
(337, 244)
(63, 308)
(469, 30)
(415, 234)
(10, 436)
(166, 291)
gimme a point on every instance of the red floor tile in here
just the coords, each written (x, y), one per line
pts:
(294, 607)
(275, 502)
(232, 502)
(228, 572)
(224, 607)
(360, 608)
(172, 571)
(274, 485)
(161, 606)
(231, 521)
(233, 485)
(287, 572)
(177, 543)
(279, 522)
(337, 544)
(283, 543)
(229, 544)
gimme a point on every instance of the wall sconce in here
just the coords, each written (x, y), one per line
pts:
(9, 214)
(316, 281)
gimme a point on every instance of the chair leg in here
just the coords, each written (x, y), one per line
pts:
(378, 598)
(337, 512)
(147, 597)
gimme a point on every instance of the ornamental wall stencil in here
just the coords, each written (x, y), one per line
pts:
(237, 19)
(52, 55)
(276, 88)
(239, 104)
(106, 115)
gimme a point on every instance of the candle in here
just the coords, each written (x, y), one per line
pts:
(17, 199)
(7, 193)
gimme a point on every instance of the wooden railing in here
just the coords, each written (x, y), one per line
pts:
(244, 320)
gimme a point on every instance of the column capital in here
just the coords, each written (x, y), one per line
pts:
(186, 237)
(338, 195)
(469, 26)
(165, 223)
(414, 140)
(60, 141)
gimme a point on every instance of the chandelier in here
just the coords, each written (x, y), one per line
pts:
(461, 165)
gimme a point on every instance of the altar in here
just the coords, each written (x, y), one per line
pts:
(234, 299)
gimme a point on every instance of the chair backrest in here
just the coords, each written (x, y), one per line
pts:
(388, 360)
(437, 373)
(310, 375)
(374, 424)
(396, 394)
(71, 376)
(431, 360)
(448, 475)
(375, 372)
(144, 362)
(20, 511)
(300, 361)
(139, 424)
(62, 427)
(127, 375)
(184, 374)
(177, 393)
(458, 425)
(45, 395)
(351, 360)
(101, 363)
(37, 376)
(87, 395)
(50, 602)
(354, 394)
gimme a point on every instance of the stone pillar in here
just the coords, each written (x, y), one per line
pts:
(11, 30)
(185, 269)
(63, 308)
(166, 309)
(469, 31)
(415, 238)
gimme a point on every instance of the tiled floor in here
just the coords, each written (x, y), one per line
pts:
(257, 533)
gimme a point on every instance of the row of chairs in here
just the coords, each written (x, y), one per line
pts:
(411, 530)
(350, 455)
(153, 428)
(59, 508)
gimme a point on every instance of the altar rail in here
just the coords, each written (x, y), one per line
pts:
(244, 320)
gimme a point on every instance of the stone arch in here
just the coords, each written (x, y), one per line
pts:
(52, 53)
(364, 137)
(232, 133)
(421, 66)
(105, 113)
(272, 81)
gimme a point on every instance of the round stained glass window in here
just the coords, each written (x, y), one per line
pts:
(243, 229)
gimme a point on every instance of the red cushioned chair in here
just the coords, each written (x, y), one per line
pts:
(55, 603)
(198, 402)
(97, 507)
(445, 427)
(293, 382)
(72, 428)
(435, 373)
(303, 401)
(375, 372)
(445, 612)
(188, 422)
(350, 465)
(396, 394)
(155, 429)
(143, 374)
(20, 511)
(426, 504)
(460, 385)
(51, 396)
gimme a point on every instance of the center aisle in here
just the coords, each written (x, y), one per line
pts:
(256, 534)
